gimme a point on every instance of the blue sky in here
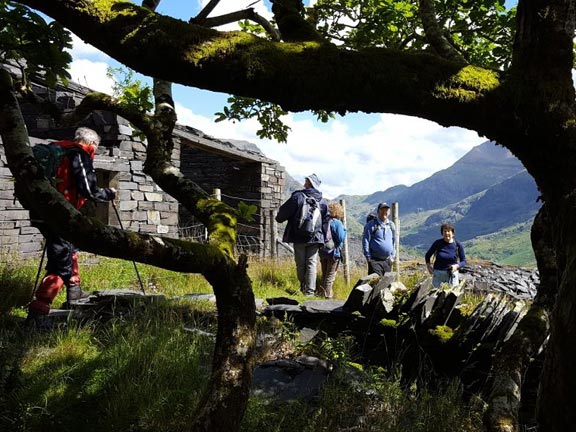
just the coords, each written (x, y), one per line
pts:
(356, 155)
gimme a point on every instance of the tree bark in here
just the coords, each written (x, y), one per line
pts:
(512, 361)
(558, 383)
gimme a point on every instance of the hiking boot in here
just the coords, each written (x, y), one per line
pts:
(75, 293)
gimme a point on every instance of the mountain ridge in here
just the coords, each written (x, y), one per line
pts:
(486, 192)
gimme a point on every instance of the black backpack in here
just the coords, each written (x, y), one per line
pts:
(309, 219)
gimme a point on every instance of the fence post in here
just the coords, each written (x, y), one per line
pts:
(345, 248)
(396, 221)
(273, 235)
(217, 194)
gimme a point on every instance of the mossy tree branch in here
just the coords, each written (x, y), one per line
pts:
(233, 356)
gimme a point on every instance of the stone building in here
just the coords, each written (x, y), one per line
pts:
(239, 170)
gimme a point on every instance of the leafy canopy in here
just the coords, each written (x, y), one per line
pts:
(28, 42)
(480, 30)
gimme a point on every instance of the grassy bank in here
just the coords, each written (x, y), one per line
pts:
(146, 372)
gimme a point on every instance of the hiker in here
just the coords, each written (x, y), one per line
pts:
(449, 258)
(378, 241)
(331, 253)
(305, 230)
(76, 180)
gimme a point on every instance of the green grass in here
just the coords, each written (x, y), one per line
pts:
(145, 372)
(139, 374)
(509, 247)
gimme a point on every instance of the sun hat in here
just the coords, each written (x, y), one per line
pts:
(314, 180)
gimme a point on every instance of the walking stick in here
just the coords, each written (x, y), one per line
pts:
(133, 262)
(38, 274)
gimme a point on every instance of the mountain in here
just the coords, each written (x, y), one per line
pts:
(503, 205)
(482, 167)
(487, 194)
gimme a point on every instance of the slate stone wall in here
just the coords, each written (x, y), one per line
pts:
(259, 183)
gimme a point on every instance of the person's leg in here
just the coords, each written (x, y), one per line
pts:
(324, 264)
(311, 258)
(300, 260)
(75, 277)
(74, 289)
(439, 277)
(380, 267)
(372, 267)
(331, 270)
(58, 271)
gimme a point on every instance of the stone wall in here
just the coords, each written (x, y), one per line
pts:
(257, 181)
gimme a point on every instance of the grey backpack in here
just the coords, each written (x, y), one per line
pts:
(309, 220)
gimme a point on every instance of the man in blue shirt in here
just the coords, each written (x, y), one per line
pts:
(378, 241)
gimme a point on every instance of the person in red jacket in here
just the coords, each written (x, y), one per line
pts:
(76, 180)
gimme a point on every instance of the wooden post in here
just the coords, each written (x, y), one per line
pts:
(345, 248)
(273, 235)
(396, 221)
(216, 193)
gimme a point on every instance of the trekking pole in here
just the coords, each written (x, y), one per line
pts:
(133, 262)
(38, 274)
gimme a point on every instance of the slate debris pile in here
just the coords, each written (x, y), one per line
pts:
(517, 282)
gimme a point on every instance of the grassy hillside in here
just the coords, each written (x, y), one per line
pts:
(510, 246)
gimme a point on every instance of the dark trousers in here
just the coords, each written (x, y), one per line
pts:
(59, 253)
(380, 267)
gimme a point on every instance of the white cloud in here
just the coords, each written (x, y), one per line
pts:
(396, 150)
(91, 74)
(89, 66)
(81, 49)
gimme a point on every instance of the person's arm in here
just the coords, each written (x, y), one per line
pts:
(366, 239)
(287, 209)
(324, 210)
(338, 232)
(85, 179)
(461, 254)
(428, 257)
(393, 231)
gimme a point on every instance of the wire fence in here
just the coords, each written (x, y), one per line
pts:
(250, 238)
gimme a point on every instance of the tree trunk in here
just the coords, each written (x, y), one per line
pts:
(225, 400)
(223, 405)
(556, 393)
(512, 361)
